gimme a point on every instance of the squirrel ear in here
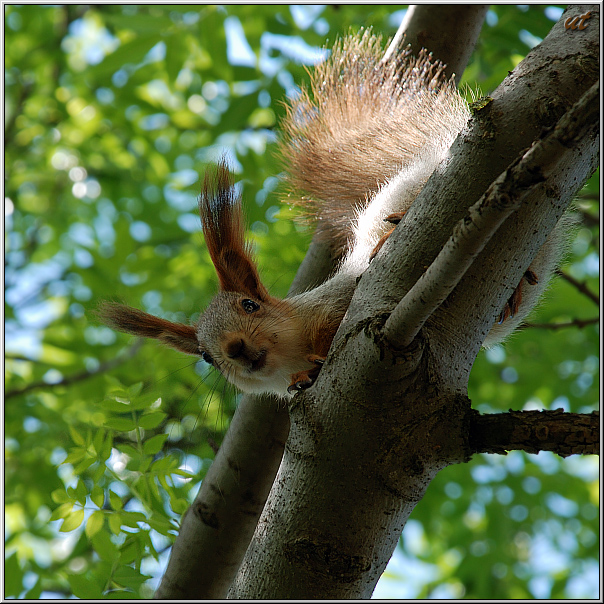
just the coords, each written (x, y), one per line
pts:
(131, 320)
(223, 228)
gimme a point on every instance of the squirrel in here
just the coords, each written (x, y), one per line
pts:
(359, 146)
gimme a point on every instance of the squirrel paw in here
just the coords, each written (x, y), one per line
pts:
(513, 304)
(305, 379)
(392, 219)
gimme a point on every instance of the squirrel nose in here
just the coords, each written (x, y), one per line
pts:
(235, 348)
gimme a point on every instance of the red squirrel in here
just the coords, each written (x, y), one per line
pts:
(358, 146)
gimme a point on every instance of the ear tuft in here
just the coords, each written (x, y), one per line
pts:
(223, 227)
(139, 323)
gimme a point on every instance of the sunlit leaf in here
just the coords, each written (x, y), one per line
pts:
(97, 496)
(72, 521)
(94, 523)
(115, 501)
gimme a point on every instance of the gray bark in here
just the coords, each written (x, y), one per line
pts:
(430, 26)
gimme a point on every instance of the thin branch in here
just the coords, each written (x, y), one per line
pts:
(78, 377)
(533, 431)
(420, 29)
(24, 93)
(484, 218)
(581, 286)
(580, 323)
(469, 237)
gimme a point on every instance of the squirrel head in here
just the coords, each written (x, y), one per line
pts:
(252, 338)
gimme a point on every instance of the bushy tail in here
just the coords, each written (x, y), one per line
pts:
(359, 124)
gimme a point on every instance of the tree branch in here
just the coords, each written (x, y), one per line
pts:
(582, 287)
(533, 431)
(78, 377)
(429, 26)
(580, 323)
(484, 218)
(216, 529)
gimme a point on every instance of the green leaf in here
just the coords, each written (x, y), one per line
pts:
(161, 524)
(94, 523)
(83, 465)
(62, 511)
(98, 496)
(116, 406)
(73, 521)
(154, 444)
(147, 401)
(151, 420)
(121, 424)
(129, 577)
(81, 492)
(75, 455)
(76, 436)
(130, 552)
(13, 577)
(115, 523)
(97, 441)
(139, 22)
(60, 496)
(35, 592)
(135, 390)
(104, 547)
(132, 52)
(132, 519)
(116, 501)
(84, 588)
(105, 452)
(179, 505)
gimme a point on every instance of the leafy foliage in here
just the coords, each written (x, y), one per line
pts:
(111, 114)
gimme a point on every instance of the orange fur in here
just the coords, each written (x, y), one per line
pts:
(224, 230)
(139, 323)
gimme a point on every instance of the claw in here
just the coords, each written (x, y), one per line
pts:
(513, 304)
(380, 243)
(531, 277)
(305, 379)
(394, 218)
(300, 385)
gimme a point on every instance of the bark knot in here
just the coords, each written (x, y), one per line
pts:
(325, 558)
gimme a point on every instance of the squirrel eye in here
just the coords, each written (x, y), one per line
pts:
(249, 305)
(207, 358)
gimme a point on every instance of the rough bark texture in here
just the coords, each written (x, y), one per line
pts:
(533, 431)
(430, 26)
(216, 529)
(379, 423)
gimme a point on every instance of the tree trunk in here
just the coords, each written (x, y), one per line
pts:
(384, 418)
(381, 421)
